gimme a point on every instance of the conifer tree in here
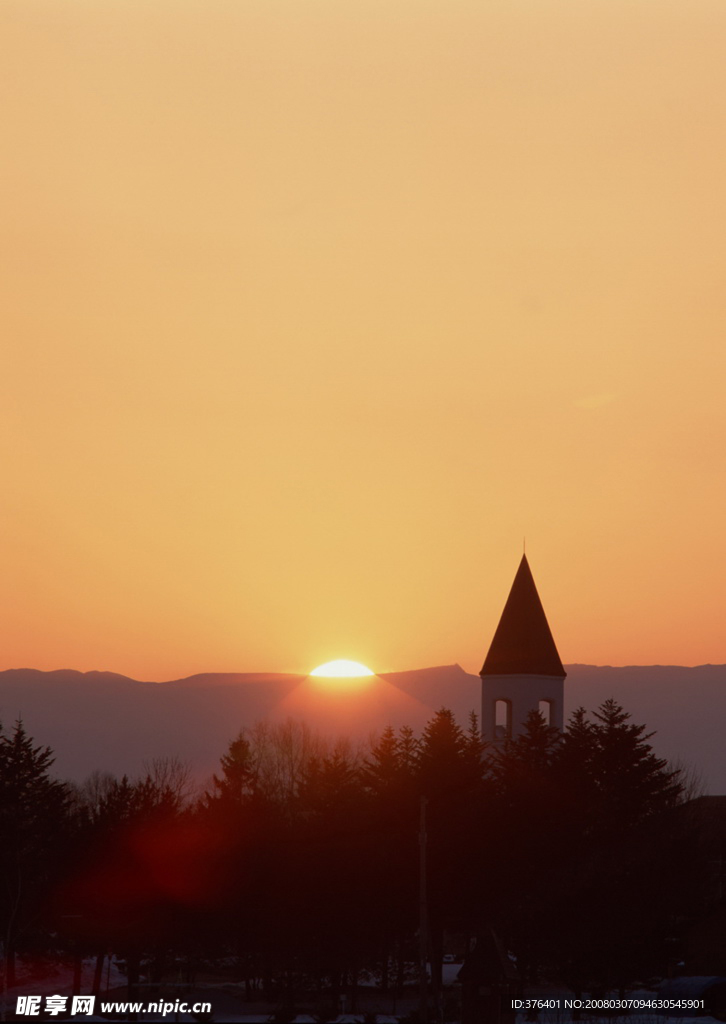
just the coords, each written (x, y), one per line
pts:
(239, 771)
(631, 782)
(382, 769)
(617, 824)
(529, 757)
(475, 749)
(33, 828)
(441, 756)
(408, 750)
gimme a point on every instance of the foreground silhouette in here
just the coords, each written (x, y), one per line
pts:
(297, 869)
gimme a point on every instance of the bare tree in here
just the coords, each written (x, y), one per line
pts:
(691, 779)
(174, 776)
(92, 792)
(277, 757)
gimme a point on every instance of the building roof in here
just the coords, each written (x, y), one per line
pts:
(523, 643)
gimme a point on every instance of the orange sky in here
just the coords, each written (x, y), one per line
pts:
(312, 310)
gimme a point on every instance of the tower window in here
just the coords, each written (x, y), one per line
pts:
(545, 709)
(502, 719)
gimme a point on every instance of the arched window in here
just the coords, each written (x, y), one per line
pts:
(546, 708)
(502, 719)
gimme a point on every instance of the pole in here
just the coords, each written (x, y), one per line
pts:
(423, 924)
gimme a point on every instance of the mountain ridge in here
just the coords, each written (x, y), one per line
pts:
(108, 721)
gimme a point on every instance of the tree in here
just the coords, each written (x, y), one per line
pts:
(476, 753)
(442, 757)
(389, 776)
(618, 798)
(33, 826)
(527, 760)
(89, 796)
(269, 761)
(382, 770)
(525, 850)
(630, 781)
(408, 750)
(173, 776)
(450, 774)
(239, 771)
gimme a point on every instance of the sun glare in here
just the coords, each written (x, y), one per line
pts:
(342, 669)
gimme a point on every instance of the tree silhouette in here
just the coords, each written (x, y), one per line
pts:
(450, 779)
(619, 800)
(239, 772)
(631, 782)
(33, 821)
(383, 770)
(389, 776)
(301, 862)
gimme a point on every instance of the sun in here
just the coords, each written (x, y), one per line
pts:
(342, 669)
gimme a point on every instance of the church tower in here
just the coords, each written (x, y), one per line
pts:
(522, 671)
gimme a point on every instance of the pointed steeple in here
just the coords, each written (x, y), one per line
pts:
(523, 643)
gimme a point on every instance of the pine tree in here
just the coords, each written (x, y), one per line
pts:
(33, 828)
(32, 804)
(477, 757)
(331, 785)
(633, 782)
(577, 742)
(382, 770)
(615, 780)
(618, 826)
(451, 785)
(239, 771)
(528, 758)
(408, 750)
(442, 763)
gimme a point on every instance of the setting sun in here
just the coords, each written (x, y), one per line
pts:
(342, 669)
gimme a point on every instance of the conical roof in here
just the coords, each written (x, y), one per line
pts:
(523, 643)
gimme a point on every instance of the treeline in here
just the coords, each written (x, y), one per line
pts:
(299, 864)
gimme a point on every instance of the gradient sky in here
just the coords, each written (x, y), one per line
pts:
(313, 309)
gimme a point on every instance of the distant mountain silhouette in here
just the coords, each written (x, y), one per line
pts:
(108, 721)
(283, 679)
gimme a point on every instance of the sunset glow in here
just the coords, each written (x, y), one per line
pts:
(314, 310)
(342, 669)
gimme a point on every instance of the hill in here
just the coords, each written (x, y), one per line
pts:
(114, 723)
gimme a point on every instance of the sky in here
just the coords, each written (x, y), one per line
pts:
(313, 311)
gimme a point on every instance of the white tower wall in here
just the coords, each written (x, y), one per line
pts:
(523, 694)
